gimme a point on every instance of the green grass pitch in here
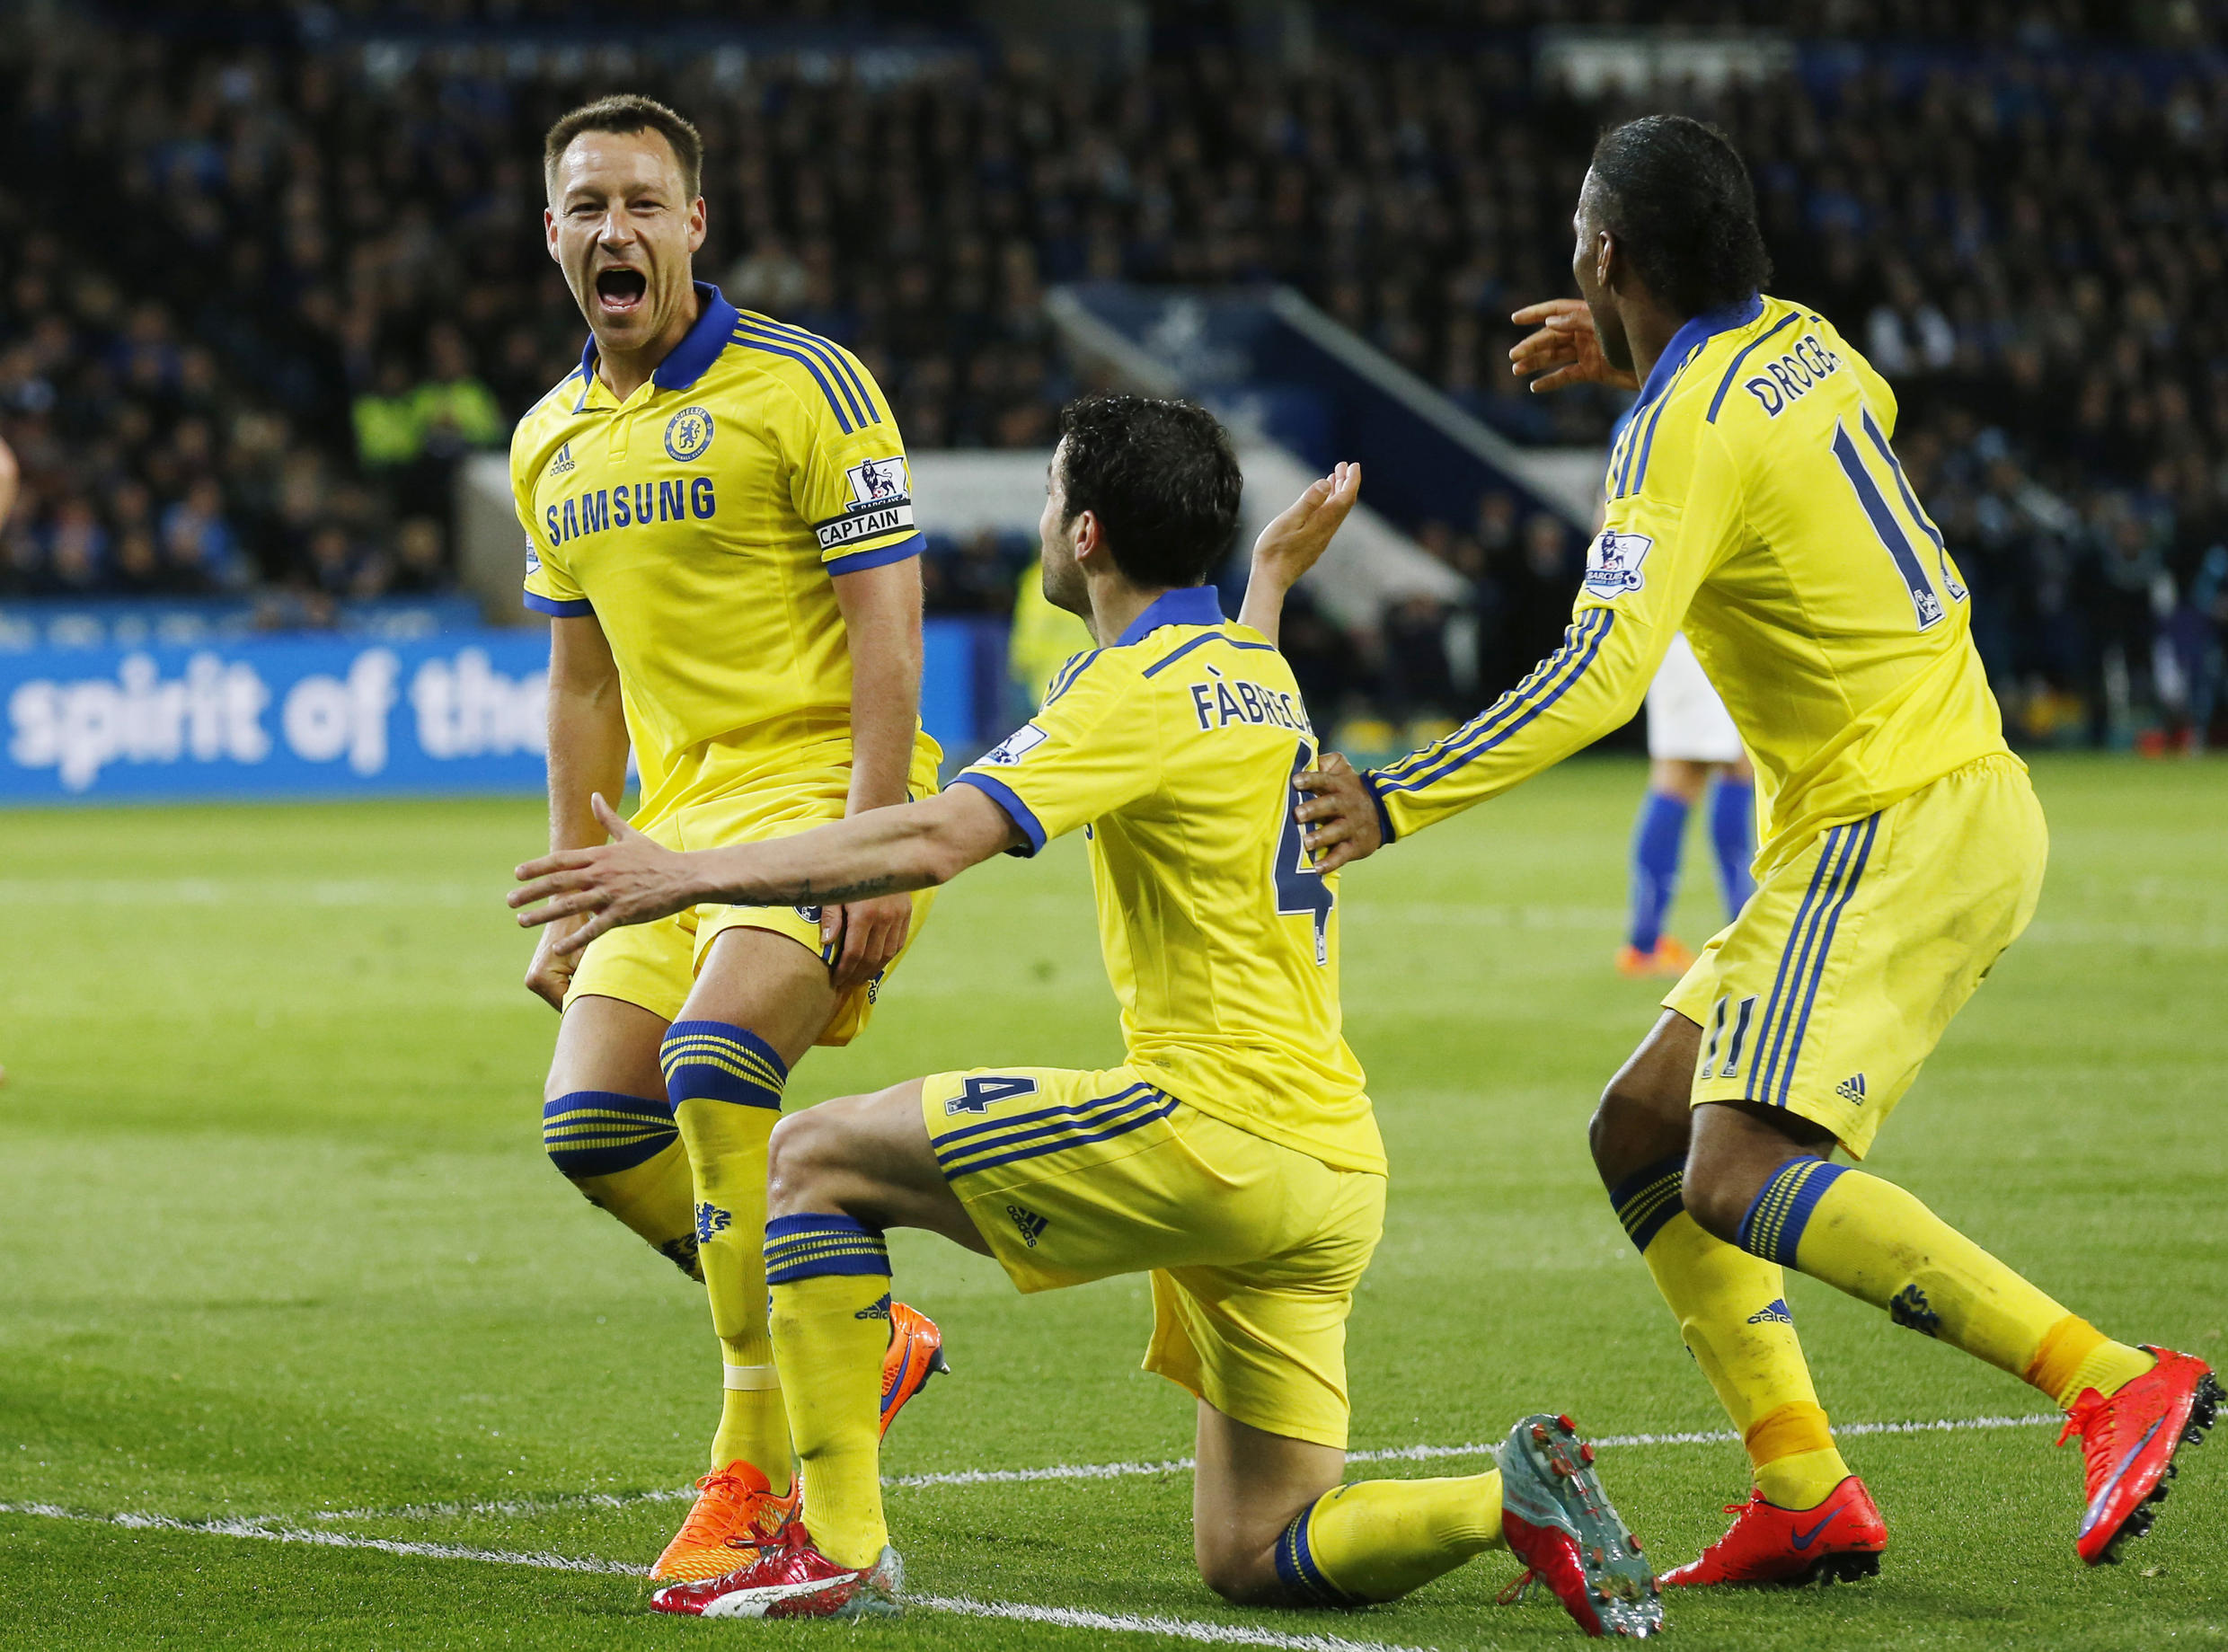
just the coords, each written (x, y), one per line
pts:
(279, 1251)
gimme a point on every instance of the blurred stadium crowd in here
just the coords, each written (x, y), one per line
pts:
(257, 298)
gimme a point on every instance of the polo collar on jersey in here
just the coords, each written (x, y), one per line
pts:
(1691, 337)
(1190, 605)
(692, 357)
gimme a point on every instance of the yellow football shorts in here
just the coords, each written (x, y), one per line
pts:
(1829, 990)
(655, 965)
(1254, 1247)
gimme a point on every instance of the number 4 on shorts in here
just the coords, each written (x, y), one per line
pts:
(980, 1093)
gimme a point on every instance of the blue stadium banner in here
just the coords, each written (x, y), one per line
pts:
(304, 717)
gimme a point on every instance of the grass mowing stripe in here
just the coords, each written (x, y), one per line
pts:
(527, 1506)
(962, 1605)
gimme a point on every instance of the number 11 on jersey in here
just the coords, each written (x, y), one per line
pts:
(1300, 887)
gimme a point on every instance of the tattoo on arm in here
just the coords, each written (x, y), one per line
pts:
(808, 894)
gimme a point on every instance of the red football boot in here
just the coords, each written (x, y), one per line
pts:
(791, 1578)
(1838, 1542)
(1557, 1519)
(916, 1354)
(2127, 1446)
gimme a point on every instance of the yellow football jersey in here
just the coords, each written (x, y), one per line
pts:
(702, 521)
(1752, 500)
(1175, 749)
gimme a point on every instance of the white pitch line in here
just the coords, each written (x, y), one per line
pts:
(528, 1508)
(960, 1605)
(266, 1528)
(1123, 1622)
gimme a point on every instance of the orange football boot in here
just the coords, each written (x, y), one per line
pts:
(736, 1516)
(1838, 1542)
(2128, 1445)
(1669, 961)
(916, 1354)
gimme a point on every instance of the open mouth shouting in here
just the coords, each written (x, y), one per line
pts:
(620, 294)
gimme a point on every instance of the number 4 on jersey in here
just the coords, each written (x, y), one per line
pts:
(1300, 887)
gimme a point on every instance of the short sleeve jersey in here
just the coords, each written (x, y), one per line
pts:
(1754, 500)
(702, 521)
(1175, 750)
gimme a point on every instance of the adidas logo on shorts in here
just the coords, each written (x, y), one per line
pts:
(1852, 1089)
(1029, 1222)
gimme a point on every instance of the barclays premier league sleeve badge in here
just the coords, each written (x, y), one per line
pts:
(1613, 562)
(1015, 746)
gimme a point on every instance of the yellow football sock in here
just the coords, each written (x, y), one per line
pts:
(1732, 1314)
(1378, 1539)
(625, 1155)
(725, 1087)
(830, 1283)
(2075, 1354)
(1870, 1237)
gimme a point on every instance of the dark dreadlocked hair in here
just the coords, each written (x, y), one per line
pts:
(1678, 198)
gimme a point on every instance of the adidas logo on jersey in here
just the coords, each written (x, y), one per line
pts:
(1774, 1312)
(562, 462)
(1852, 1089)
(1028, 1222)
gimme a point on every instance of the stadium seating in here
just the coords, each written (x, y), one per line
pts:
(343, 228)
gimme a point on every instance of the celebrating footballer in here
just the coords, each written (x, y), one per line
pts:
(719, 528)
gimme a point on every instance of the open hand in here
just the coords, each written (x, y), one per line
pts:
(1565, 348)
(1340, 815)
(869, 933)
(631, 880)
(1296, 539)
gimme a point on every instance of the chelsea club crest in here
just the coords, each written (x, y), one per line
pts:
(688, 433)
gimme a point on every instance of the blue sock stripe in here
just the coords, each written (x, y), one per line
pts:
(1295, 1562)
(1647, 1198)
(712, 1061)
(809, 1247)
(601, 1132)
(1773, 1228)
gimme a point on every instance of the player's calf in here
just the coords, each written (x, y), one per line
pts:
(625, 1154)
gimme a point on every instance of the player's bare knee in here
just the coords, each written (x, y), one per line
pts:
(1637, 1123)
(1240, 1577)
(804, 1162)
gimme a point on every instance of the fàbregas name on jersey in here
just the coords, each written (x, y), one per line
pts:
(1220, 702)
(881, 499)
(1613, 562)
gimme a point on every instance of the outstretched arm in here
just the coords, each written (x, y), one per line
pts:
(633, 879)
(1294, 542)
